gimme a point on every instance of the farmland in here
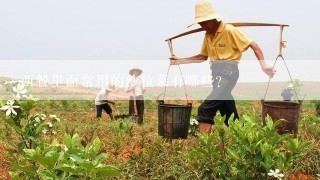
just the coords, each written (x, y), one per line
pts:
(138, 152)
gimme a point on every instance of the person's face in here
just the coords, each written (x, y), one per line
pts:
(209, 26)
(135, 73)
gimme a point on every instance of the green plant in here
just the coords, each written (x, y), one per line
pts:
(69, 160)
(317, 106)
(34, 159)
(194, 127)
(245, 150)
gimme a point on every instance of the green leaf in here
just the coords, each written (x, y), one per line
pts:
(13, 124)
(96, 145)
(100, 158)
(29, 169)
(67, 168)
(233, 154)
(87, 166)
(107, 171)
(21, 145)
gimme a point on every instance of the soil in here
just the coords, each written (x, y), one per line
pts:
(4, 174)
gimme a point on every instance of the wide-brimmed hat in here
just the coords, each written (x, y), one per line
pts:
(110, 87)
(290, 86)
(204, 12)
(137, 69)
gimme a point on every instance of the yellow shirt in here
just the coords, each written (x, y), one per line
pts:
(227, 44)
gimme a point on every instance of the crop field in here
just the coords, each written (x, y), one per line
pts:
(84, 147)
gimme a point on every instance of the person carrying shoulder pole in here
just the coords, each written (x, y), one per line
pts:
(224, 45)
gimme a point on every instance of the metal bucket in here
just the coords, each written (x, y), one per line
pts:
(174, 120)
(290, 111)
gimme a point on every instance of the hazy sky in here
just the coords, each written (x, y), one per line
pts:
(109, 37)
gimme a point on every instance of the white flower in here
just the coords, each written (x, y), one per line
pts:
(276, 174)
(52, 116)
(53, 132)
(43, 117)
(37, 119)
(50, 125)
(44, 131)
(35, 124)
(65, 148)
(20, 90)
(194, 122)
(10, 108)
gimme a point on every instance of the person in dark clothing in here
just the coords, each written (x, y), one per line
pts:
(287, 93)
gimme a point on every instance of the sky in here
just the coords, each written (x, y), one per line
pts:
(42, 38)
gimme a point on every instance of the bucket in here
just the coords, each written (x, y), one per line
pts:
(290, 111)
(173, 120)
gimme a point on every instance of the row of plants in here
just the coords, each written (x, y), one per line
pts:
(44, 146)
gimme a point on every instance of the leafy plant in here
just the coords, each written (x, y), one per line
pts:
(317, 106)
(69, 160)
(34, 159)
(245, 150)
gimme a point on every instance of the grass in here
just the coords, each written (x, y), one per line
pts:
(138, 150)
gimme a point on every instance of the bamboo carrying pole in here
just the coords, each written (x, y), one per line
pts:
(235, 24)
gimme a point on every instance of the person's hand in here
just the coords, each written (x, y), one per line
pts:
(174, 60)
(269, 70)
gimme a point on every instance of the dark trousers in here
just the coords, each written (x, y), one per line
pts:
(104, 107)
(140, 106)
(224, 78)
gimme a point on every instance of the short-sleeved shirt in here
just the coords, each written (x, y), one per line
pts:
(137, 83)
(227, 44)
(101, 96)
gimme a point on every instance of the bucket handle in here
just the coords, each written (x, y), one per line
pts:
(295, 92)
(165, 85)
(281, 46)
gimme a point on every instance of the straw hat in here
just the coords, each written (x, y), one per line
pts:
(110, 87)
(204, 12)
(137, 69)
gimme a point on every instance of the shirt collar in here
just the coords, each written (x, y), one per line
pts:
(221, 27)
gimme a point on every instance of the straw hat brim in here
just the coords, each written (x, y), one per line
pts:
(206, 18)
(139, 71)
(110, 88)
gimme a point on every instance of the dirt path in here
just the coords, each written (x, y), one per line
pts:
(4, 174)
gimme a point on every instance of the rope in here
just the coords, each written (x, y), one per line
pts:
(281, 45)
(165, 87)
(295, 92)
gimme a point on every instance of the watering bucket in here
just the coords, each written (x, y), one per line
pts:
(173, 120)
(289, 111)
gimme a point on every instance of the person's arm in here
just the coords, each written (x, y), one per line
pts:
(174, 60)
(130, 85)
(142, 87)
(269, 70)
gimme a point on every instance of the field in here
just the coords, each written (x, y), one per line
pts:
(138, 152)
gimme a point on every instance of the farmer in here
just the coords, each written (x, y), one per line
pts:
(287, 93)
(136, 90)
(224, 45)
(102, 102)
